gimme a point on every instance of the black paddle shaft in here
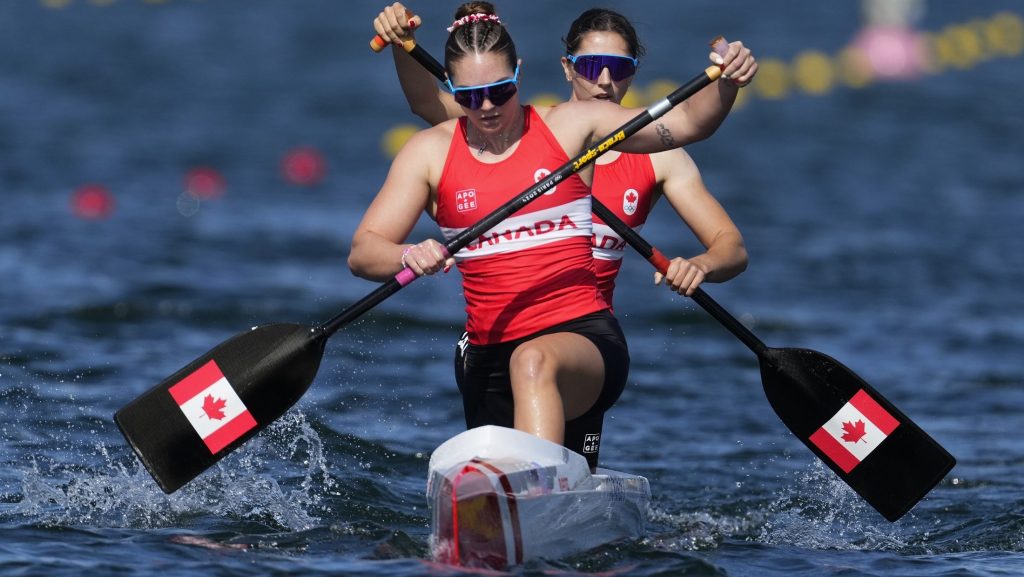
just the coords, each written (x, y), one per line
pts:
(635, 240)
(807, 389)
(578, 163)
(179, 428)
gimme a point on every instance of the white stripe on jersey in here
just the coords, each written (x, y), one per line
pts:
(607, 244)
(529, 230)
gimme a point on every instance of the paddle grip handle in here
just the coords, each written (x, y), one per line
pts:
(719, 45)
(406, 275)
(377, 43)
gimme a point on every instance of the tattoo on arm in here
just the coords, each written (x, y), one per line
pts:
(666, 135)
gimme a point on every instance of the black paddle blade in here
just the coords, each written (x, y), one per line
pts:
(876, 449)
(201, 413)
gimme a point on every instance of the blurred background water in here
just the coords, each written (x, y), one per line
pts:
(172, 172)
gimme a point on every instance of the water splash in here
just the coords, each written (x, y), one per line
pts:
(699, 531)
(121, 493)
(819, 511)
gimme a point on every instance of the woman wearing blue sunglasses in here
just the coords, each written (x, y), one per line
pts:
(542, 351)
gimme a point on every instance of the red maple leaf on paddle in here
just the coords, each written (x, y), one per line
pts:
(214, 408)
(854, 431)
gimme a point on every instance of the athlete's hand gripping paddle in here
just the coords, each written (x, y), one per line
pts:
(185, 424)
(420, 55)
(873, 447)
(377, 43)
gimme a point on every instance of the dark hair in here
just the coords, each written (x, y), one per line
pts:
(475, 8)
(479, 36)
(602, 20)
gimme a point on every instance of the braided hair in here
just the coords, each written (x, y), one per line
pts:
(477, 30)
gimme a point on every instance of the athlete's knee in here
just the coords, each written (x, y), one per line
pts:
(531, 366)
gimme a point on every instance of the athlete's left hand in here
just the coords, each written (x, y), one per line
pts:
(683, 276)
(738, 64)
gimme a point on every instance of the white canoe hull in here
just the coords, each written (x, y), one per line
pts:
(500, 497)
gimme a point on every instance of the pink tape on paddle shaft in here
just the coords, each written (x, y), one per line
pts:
(406, 275)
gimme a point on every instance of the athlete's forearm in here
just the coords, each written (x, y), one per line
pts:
(724, 259)
(374, 257)
(708, 108)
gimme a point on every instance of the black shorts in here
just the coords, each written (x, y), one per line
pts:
(482, 374)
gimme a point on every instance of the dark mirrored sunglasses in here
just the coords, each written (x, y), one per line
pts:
(590, 66)
(498, 93)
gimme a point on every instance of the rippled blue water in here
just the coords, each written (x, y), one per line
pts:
(882, 223)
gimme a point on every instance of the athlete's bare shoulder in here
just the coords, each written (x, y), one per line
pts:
(572, 122)
(674, 163)
(581, 110)
(431, 140)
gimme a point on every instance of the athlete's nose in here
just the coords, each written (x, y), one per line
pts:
(487, 104)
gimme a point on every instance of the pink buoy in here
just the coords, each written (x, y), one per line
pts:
(304, 166)
(891, 52)
(204, 183)
(92, 201)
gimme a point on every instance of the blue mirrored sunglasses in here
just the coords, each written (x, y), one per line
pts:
(472, 97)
(590, 66)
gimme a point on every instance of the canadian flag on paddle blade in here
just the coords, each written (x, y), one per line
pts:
(212, 406)
(855, 431)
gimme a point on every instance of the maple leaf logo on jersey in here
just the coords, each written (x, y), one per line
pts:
(539, 175)
(630, 201)
(214, 408)
(853, 431)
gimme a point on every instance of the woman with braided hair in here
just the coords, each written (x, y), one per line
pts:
(544, 353)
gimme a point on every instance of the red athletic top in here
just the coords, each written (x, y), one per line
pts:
(626, 187)
(535, 269)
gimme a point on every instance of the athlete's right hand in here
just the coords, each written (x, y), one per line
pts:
(395, 24)
(683, 275)
(737, 61)
(427, 257)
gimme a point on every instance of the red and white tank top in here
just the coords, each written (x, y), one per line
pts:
(626, 186)
(535, 269)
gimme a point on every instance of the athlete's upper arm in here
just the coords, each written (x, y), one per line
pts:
(598, 119)
(406, 191)
(682, 185)
(439, 108)
(452, 108)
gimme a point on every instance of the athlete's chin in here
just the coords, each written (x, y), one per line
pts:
(489, 121)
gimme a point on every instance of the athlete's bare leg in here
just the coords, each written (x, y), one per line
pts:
(555, 378)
